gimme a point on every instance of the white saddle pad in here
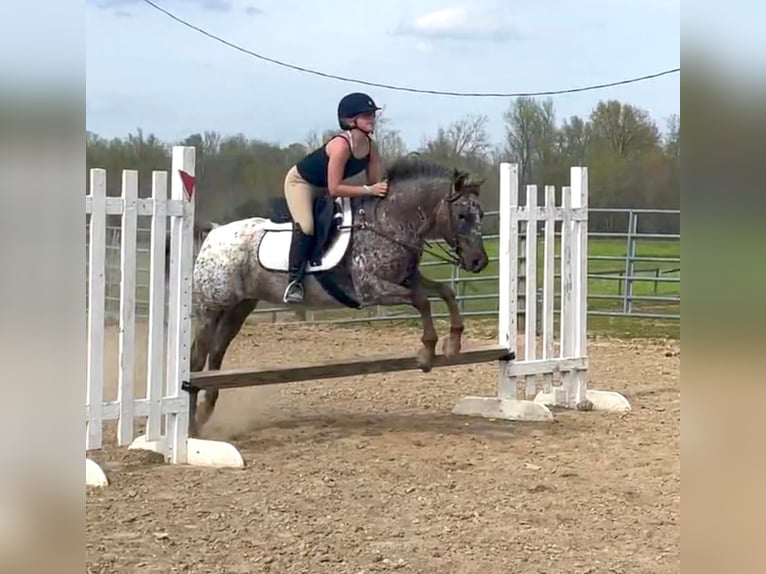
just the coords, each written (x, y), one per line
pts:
(274, 249)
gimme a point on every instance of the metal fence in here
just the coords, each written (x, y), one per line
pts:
(647, 276)
(631, 274)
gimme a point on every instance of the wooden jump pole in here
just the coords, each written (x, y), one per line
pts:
(248, 377)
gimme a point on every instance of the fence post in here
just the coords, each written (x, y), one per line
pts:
(630, 264)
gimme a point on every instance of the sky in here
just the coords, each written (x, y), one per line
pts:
(147, 71)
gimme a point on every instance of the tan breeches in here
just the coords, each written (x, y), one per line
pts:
(300, 200)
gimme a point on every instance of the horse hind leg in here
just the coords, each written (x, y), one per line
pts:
(206, 326)
(226, 329)
(204, 332)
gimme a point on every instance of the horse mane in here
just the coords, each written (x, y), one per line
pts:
(414, 167)
(408, 167)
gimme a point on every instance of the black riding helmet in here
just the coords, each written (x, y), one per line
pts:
(354, 104)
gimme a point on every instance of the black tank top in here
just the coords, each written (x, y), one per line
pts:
(313, 167)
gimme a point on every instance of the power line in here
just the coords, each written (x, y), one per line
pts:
(403, 88)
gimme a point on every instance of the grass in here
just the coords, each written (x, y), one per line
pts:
(480, 293)
(607, 257)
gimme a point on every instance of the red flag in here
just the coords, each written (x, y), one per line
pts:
(188, 181)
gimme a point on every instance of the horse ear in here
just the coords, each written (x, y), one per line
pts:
(459, 178)
(471, 185)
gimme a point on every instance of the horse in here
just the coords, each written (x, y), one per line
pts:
(367, 252)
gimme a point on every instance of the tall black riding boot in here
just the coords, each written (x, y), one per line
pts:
(299, 252)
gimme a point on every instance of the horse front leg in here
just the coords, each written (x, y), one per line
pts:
(452, 344)
(379, 291)
(430, 337)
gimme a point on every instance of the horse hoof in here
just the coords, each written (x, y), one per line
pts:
(451, 347)
(425, 360)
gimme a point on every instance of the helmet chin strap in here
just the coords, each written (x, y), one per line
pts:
(364, 131)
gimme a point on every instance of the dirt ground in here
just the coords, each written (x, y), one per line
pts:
(373, 474)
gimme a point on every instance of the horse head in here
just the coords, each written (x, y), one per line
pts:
(447, 202)
(459, 221)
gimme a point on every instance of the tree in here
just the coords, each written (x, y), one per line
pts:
(673, 137)
(389, 141)
(626, 129)
(530, 137)
(464, 143)
(630, 163)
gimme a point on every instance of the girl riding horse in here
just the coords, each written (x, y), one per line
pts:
(325, 170)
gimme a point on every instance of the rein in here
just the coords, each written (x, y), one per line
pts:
(452, 255)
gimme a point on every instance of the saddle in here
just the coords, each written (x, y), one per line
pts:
(332, 234)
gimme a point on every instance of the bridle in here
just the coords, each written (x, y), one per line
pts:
(452, 237)
(452, 255)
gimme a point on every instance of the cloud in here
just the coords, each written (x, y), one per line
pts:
(210, 5)
(425, 47)
(107, 4)
(253, 11)
(460, 22)
(215, 5)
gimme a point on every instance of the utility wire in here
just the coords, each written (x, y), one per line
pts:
(403, 88)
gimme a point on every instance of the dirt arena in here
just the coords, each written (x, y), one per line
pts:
(373, 474)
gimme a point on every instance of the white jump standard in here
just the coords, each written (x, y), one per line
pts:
(571, 361)
(165, 406)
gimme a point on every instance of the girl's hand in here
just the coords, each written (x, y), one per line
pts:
(379, 189)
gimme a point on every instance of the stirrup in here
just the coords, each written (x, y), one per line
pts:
(293, 292)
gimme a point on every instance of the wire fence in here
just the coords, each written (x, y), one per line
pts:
(631, 274)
